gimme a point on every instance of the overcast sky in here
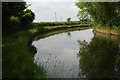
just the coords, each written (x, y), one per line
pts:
(45, 10)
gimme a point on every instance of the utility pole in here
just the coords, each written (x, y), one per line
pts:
(55, 17)
(61, 18)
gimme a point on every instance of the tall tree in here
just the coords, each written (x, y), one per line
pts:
(104, 13)
(27, 17)
(10, 9)
(14, 15)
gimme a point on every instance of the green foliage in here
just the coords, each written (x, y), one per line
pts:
(10, 10)
(27, 17)
(14, 19)
(68, 19)
(14, 16)
(104, 13)
(13, 8)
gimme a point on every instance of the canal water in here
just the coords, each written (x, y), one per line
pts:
(79, 54)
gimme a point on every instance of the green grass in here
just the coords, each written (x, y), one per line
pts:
(17, 56)
(61, 23)
(114, 30)
(49, 27)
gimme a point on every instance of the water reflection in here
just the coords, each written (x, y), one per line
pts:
(69, 34)
(100, 58)
(79, 54)
(64, 47)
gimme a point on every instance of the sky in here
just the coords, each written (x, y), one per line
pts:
(45, 10)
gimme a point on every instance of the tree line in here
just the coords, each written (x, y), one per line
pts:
(103, 13)
(15, 17)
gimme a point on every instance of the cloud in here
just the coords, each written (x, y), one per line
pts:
(45, 11)
(51, 0)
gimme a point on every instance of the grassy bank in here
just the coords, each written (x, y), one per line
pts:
(17, 56)
(106, 35)
(61, 23)
(108, 30)
(52, 31)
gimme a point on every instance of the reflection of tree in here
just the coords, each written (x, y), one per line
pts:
(69, 34)
(99, 59)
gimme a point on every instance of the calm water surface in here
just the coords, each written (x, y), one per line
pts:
(79, 54)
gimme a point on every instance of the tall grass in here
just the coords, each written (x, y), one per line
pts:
(55, 68)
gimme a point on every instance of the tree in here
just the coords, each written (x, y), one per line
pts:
(13, 8)
(27, 17)
(14, 16)
(68, 19)
(103, 13)
(10, 9)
